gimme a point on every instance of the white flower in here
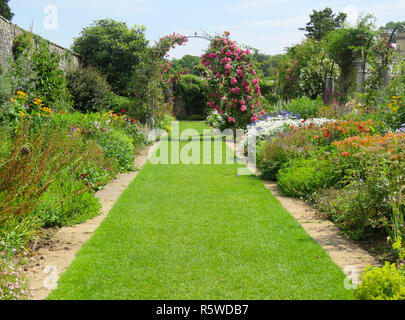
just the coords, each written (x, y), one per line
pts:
(270, 126)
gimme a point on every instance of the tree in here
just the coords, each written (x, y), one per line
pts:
(112, 48)
(187, 62)
(322, 22)
(5, 10)
(306, 69)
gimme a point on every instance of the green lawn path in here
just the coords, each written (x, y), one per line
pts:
(200, 232)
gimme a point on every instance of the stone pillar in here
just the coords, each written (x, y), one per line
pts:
(401, 44)
(330, 84)
(361, 74)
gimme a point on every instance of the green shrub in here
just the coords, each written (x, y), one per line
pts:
(68, 201)
(36, 71)
(305, 107)
(353, 210)
(118, 146)
(89, 89)
(191, 98)
(386, 283)
(302, 177)
(134, 108)
(274, 153)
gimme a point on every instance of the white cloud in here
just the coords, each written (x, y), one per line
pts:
(352, 14)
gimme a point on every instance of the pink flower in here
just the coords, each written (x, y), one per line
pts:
(247, 89)
(263, 111)
(249, 97)
(229, 53)
(235, 90)
(227, 33)
(228, 67)
(243, 108)
(248, 51)
(257, 89)
(255, 81)
(234, 81)
(230, 120)
(254, 72)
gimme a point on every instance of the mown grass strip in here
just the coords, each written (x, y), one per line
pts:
(200, 232)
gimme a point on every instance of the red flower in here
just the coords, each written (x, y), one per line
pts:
(327, 135)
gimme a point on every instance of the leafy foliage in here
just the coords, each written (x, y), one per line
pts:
(322, 22)
(344, 45)
(36, 71)
(187, 63)
(5, 10)
(192, 92)
(302, 177)
(386, 283)
(90, 91)
(304, 107)
(113, 48)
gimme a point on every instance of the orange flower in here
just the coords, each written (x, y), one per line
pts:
(345, 154)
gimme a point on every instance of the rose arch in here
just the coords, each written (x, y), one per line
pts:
(233, 82)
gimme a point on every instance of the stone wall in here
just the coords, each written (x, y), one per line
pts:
(9, 31)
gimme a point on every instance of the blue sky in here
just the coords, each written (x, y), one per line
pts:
(268, 25)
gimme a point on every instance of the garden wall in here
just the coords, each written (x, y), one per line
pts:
(9, 31)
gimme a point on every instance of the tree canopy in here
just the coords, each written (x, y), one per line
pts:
(187, 62)
(5, 10)
(322, 22)
(112, 48)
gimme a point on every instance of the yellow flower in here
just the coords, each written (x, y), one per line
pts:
(22, 114)
(12, 100)
(21, 94)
